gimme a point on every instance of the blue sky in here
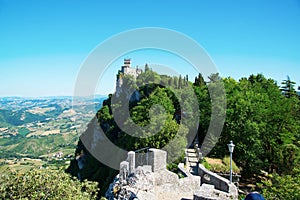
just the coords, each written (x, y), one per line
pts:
(44, 43)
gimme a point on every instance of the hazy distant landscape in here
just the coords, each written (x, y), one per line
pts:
(40, 131)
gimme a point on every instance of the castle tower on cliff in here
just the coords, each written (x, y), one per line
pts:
(126, 69)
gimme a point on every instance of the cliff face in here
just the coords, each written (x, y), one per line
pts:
(87, 166)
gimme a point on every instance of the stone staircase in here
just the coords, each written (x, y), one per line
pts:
(192, 161)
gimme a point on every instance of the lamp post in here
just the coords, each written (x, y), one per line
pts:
(230, 147)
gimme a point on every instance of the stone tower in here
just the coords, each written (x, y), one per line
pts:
(126, 70)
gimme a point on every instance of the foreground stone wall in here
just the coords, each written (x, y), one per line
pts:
(219, 183)
(157, 159)
(208, 192)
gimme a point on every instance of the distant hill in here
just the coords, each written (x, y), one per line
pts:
(16, 111)
(37, 126)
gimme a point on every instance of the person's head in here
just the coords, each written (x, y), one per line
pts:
(254, 196)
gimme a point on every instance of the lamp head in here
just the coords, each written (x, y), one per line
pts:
(231, 146)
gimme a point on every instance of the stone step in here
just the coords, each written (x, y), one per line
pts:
(191, 150)
(192, 161)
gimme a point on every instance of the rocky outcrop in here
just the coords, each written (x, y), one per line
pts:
(152, 181)
(145, 184)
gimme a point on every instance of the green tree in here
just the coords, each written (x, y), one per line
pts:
(147, 68)
(180, 82)
(199, 81)
(262, 123)
(287, 87)
(44, 184)
(175, 82)
(204, 101)
(214, 77)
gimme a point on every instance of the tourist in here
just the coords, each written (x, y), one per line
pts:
(254, 196)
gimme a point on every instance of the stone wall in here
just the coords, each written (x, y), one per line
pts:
(219, 183)
(208, 192)
(157, 159)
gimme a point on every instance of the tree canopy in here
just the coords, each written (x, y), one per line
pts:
(262, 119)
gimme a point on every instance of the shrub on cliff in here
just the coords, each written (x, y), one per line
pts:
(44, 184)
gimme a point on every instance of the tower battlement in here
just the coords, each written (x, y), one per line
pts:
(127, 62)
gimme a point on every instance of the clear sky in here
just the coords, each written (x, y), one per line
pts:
(44, 43)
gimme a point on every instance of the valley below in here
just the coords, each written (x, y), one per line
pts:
(42, 132)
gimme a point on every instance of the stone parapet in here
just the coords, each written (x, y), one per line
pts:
(219, 183)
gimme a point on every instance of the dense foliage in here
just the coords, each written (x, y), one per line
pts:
(262, 119)
(282, 187)
(44, 184)
(264, 125)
